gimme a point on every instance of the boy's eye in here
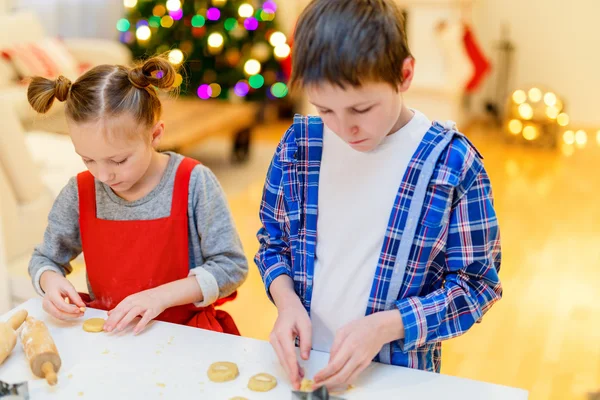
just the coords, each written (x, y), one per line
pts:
(324, 111)
(363, 111)
(120, 162)
(88, 161)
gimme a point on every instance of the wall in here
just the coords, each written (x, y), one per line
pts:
(557, 45)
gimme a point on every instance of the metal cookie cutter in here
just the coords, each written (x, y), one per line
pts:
(319, 394)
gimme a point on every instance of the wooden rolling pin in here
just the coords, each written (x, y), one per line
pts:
(8, 336)
(40, 350)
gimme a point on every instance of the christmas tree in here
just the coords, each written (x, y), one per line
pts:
(229, 49)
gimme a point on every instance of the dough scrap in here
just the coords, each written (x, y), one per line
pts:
(94, 325)
(306, 385)
(262, 382)
(222, 371)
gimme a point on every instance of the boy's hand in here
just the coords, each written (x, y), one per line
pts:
(292, 322)
(57, 288)
(147, 304)
(355, 346)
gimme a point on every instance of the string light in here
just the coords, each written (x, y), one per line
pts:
(215, 90)
(530, 132)
(279, 90)
(515, 126)
(166, 21)
(526, 111)
(176, 56)
(241, 88)
(519, 96)
(143, 33)
(581, 138)
(177, 14)
(550, 99)
(251, 24)
(569, 137)
(130, 3)
(562, 119)
(178, 80)
(246, 10)
(267, 15)
(552, 112)
(282, 51)
(277, 39)
(252, 67)
(159, 10)
(123, 25)
(173, 5)
(204, 92)
(213, 14)
(270, 6)
(215, 40)
(535, 95)
(257, 81)
(198, 21)
(230, 24)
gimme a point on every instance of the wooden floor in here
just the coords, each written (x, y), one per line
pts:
(544, 335)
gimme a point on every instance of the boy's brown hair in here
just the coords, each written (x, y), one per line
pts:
(349, 42)
(107, 91)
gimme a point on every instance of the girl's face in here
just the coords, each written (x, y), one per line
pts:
(118, 151)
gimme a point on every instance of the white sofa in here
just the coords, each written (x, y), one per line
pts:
(34, 167)
(25, 27)
(35, 162)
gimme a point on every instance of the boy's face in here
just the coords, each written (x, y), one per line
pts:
(362, 116)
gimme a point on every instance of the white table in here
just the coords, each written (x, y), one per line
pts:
(170, 361)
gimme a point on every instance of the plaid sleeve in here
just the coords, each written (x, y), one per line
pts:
(471, 285)
(273, 257)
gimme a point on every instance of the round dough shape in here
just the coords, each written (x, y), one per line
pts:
(222, 371)
(94, 325)
(262, 382)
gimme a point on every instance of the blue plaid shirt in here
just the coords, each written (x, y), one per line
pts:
(440, 258)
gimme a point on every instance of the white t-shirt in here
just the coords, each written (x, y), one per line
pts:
(356, 195)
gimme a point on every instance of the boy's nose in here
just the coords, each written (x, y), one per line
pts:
(350, 130)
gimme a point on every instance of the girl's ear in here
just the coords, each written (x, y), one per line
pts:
(157, 131)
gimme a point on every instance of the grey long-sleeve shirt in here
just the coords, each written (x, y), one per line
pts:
(216, 257)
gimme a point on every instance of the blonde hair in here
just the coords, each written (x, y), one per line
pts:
(107, 91)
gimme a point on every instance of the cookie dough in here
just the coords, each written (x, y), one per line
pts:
(262, 382)
(94, 325)
(306, 385)
(222, 371)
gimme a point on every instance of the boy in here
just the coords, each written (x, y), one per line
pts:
(379, 236)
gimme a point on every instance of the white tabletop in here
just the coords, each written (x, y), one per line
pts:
(170, 361)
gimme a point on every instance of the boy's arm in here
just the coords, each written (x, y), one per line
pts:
(471, 284)
(273, 257)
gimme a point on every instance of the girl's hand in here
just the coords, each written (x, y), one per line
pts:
(57, 288)
(147, 304)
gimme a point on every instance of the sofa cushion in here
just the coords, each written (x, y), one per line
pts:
(47, 57)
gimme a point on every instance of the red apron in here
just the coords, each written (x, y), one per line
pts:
(126, 257)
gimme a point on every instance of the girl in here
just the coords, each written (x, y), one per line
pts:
(155, 229)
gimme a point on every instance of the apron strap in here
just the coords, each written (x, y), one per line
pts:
(179, 203)
(86, 186)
